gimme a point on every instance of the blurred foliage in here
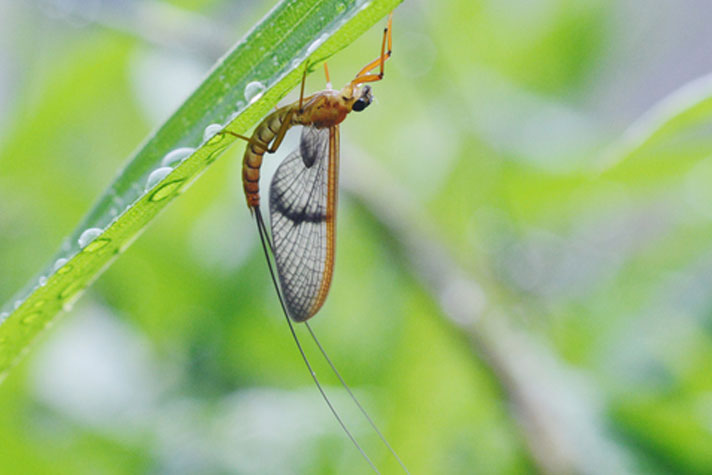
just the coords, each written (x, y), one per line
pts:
(544, 140)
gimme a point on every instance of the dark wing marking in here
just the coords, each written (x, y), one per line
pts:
(302, 201)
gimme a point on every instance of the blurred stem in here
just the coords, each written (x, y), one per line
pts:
(564, 435)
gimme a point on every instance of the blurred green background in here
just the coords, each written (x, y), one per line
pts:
(523, 289)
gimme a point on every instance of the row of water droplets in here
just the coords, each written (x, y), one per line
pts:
(252, 93)
(89, 240)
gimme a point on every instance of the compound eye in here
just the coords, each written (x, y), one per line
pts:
(359, 105)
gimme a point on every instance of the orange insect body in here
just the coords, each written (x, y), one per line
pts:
(252, 160)
(322, 110)
(303, 192)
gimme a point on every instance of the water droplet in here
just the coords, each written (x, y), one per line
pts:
(3, 316)
(319, 41)
(70, 290)
(341, 7)
(275, 60)
(176, 156)
(215, 154)
(233, 116)
(211, 130)
(254, 91)
(97, 244)
(168, 189)
(216, 139)
(31, 318)
(88, 236)
(60, 267)
(42, 281)
(156, 176)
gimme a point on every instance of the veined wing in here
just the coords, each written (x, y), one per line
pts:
(302, 215)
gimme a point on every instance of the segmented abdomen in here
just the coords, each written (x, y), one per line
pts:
(256, 148)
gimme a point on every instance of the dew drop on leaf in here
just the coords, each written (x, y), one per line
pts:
(60, 264)
(166, 190)
(88, 236)
(176, 156)
(97, 244)
(211, 130)
(70, 290)
(31, 318)
(318, 42)
(215, 154)
(253, 91)
(156, 176)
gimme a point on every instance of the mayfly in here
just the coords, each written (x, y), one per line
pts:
(302, 201)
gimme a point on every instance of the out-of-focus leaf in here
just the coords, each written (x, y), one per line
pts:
(667, 140)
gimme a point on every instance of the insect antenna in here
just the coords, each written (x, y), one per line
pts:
(354, 399)
(264, 238)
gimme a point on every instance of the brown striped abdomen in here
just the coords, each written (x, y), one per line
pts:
(256, 148)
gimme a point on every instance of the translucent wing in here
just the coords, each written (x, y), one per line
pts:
(302, 207)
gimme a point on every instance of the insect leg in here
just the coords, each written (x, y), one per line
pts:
(326, 73)
(304, 80)
(230, 132)
(286, 124)
(363, 75)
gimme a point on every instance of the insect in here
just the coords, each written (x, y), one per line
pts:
(303, 199)
(303, 193)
